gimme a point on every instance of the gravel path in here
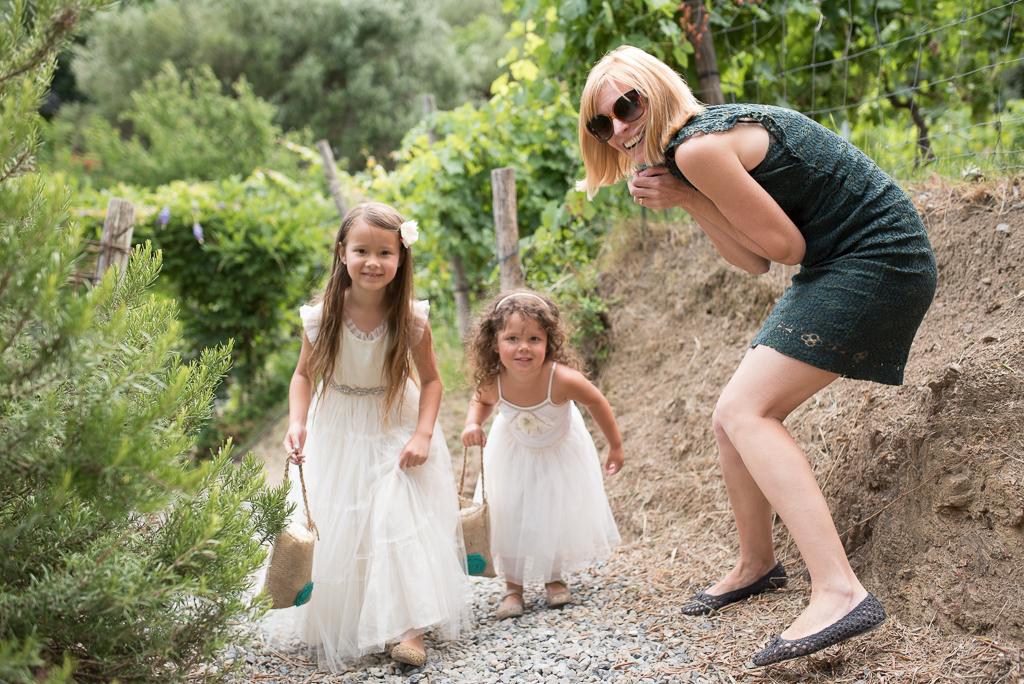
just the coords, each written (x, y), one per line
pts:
(592, 640)
(600, 638)
(625, 627)
(605, 636)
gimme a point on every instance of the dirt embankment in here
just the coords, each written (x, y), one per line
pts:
(926, 481)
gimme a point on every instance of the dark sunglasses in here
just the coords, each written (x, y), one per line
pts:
(627, 108)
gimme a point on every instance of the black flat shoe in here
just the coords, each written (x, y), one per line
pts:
(703, 603)
(868, 615)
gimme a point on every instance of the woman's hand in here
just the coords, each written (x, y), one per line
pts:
(295, 441)
(613, 463)
(474, 435)
(656, 188)
(415, 452)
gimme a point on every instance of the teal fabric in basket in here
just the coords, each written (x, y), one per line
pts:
(476, 564)
(304, 594)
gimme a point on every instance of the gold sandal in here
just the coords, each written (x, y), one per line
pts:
(409, 655)
(558, 597)
(510, 609)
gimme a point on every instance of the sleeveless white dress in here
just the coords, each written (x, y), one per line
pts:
(549, 512)
(390, 557)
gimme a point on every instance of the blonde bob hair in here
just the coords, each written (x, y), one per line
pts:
(668, 102)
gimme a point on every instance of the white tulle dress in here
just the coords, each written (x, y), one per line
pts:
(390, 557)
(549, 512)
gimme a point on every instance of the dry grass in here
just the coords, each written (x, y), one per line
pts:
(883, 456)
(721, 645)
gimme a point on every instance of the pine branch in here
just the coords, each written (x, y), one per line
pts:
(22, 159)
(22, 321)
(3, 281)
(60, 27)
(45, 354)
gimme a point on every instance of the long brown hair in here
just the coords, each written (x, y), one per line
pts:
(483, 342)
(398, 299)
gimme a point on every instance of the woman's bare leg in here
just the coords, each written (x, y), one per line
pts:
(765, 389)
(753, 516)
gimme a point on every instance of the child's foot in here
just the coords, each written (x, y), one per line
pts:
(411, 652)
(558, 594)
(511, 605)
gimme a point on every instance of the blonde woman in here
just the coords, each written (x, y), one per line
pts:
(767, 184)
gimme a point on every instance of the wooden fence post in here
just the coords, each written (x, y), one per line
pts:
(460, 289)
(428, 109)
(116, 243)
(506, 227)
(331, 173)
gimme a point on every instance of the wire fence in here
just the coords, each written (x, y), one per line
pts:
(926, 94)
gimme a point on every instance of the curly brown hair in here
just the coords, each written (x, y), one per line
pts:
(483, 341)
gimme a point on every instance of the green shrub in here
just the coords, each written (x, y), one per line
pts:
(122, 559)
(446, 184)
(239, 258)
(529, 124)
(174, 128)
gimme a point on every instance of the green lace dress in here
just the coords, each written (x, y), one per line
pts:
(868, 275)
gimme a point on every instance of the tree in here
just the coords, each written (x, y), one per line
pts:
(695, 21)
(576, 34)
(478, 35)
(122, 559)
(178, 128)
(353, 72)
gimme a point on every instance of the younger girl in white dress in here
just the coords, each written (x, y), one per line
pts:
(549, 512)
(389, 563)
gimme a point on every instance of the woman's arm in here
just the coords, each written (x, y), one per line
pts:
(755, 220)
(416, 451)
(300, 394)
(572, 385)
(740, 253)
(480, 407)
(660, 190)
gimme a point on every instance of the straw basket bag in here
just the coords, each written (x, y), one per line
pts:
(476, 525)
(290, 573)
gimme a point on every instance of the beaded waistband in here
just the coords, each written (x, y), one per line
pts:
(357, 391)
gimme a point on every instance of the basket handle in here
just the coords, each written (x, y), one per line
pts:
(310, 525)
(462, 479)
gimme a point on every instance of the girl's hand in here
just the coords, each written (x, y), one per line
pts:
(415, 452)
(474, 435)
(614, 462)
(656, 188)
(295, 441)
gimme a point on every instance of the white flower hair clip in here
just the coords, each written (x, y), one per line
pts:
(410, 232)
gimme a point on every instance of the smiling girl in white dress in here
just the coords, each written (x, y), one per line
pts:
(549, 512)
(390, 562)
